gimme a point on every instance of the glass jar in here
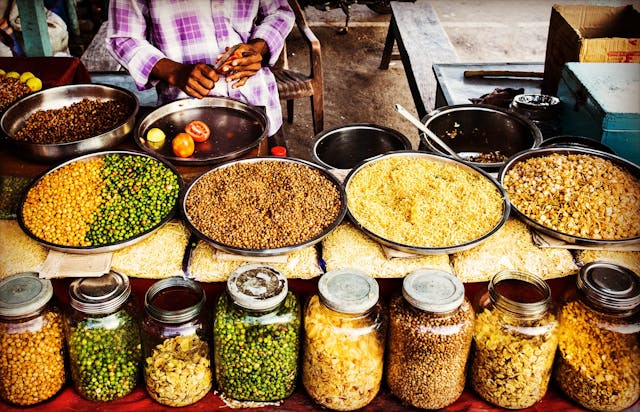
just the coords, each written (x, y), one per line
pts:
(598, 363)
(515, 339)
(345, 328)
(31, 340)
(103, 337)
(177, 367)
(256, 334)
(430, 333)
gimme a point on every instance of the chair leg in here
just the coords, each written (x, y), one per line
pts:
(289, 111)
(317, 112)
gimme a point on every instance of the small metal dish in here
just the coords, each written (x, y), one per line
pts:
(274, 251)
(15, 116)
(436, 158)
(236, 129)
(545, 151)
(85, 250)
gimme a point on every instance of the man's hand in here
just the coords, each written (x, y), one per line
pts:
(196, 80)
(246, 62)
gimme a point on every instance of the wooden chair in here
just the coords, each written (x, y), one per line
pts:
(295, 85)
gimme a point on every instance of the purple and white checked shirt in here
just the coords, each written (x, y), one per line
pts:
(141, 32)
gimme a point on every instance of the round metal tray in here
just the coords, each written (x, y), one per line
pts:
(15, 116)
(274, 251)
(236, 129)
(545, 151)
(430, 250)
(103, 248)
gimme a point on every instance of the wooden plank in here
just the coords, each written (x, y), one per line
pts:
(35, 34)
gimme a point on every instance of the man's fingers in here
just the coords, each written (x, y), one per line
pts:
(239, 83)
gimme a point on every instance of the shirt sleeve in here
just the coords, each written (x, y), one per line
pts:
(127, 41)
(275, 25)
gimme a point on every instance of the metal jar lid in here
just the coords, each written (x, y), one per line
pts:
(188, 311)
(257, 287)
(100, 295)
(348, 291)
(609, 286)
(23, 294)
(433, 290)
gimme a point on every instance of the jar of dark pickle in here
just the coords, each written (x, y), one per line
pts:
(256, 334)
(345, 328)
(430, 333)
(31, 340)
(177, 365)
(515, 340)
(103, 336)
(598, 362)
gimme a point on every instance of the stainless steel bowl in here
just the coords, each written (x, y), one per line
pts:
(436, 158)
(104, 248)
(545, 151)
(273, 251)
(343, 147)
(472, 129)
(58, 97)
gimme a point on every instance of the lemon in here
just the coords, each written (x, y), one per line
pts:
(2, 72)
(15, 75)
(34, 84)
(155, 135)
(26, 76)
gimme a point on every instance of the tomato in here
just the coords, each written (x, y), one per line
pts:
(183, 145)
(198, 130)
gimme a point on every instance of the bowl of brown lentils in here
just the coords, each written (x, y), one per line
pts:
(100, 202)
(264, 206)
(64, 122)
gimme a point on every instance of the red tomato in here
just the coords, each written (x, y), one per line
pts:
(198, 130)
(183, 145)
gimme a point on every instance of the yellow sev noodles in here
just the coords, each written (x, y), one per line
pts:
(420, 202)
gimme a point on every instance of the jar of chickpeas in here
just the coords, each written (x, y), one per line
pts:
(598, 363)
(176, 341)
(31, 340)
(515, 340)
(103, 336)
(345, 327)
(430, 332)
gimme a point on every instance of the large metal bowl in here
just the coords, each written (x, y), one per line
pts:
(274, 251)
(103, 248)
(436, 158)
(56, 98)
(472, 129)
(545, 151)
(236, 129)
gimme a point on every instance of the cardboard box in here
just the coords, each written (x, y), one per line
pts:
(589, 34)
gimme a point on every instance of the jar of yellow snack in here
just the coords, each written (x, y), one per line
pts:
(430, 333)
(344, 341)
(598, 363)
(515, 339)
(175, 337)
(31, 340)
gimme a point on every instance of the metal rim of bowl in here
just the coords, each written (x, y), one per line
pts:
(126, 126)
(537, 134)
(85, 250)
(579, 142)
(274, 251)
(190, 103)
(543, 151)
(506, 206)
(320, 137)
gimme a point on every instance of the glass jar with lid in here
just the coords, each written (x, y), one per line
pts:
(256, 334)
(430, 334)
(103, 337)
(31, 340)
(176, 340)
(345, 329)
(598, 363)
(515, 340)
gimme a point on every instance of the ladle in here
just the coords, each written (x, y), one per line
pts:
(417, 123)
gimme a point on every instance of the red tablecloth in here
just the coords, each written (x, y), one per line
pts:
(53, 71)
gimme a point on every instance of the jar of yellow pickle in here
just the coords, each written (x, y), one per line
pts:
(515, 340)
(598, 363)
(344, 341)
(31, 340)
